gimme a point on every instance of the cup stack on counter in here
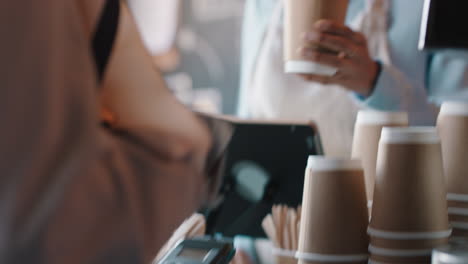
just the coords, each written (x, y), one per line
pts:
(334, 214)
(409, 213)
(452, 125)
(282, 228)
(416, 182)
(366, 139)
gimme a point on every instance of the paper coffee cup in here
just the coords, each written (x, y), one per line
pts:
(386, 255)
(300, 17)
(409, 194)
(377, 259)
(367, 131)
(452, 125)
(405, 260)
(459, 221)
(457, 201)
(405, 244)
(334, 213)
(283, 256)
(459, 225)
(459, 233)
(458, 215)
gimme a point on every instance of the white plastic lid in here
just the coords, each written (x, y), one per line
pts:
(454, 108)
(380, 117)
(405, 135)
(307, 67)
(322, 163)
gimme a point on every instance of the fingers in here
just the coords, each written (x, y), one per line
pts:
(336, 37)
(338, 79)
(325, 58)
(332, 42)
(316, 78)
(331, 27)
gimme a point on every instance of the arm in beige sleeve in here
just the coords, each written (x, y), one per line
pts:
(73, 192)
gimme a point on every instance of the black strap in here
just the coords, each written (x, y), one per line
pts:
(105, 34)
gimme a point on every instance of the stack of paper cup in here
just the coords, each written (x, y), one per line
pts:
(453, 129)
(334, 213)
(409, 214)
(367, 132)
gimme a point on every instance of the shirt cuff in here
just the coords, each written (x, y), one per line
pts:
(387, 93)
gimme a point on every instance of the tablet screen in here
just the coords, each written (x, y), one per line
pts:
(444, 24)
(265, 166)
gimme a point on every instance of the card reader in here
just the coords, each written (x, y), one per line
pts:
(200, 251)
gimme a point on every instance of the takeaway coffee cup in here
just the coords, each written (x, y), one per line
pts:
(452, 125)
(458, 215)
(375, 259)
(283, 256)
(459, 221)
(409, 213)
(367, 132)
(300, 17)
(334, 213)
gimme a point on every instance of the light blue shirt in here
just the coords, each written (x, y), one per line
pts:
(434, 77)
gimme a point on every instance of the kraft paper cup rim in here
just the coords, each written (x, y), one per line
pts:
(284, 252)
(455, 197)
(459, 225)
(392, 235)
(373, 117)
(458, 211)
(323, 163)
(386, 252)
(303, 66)
(454, 108)
(409, 135)
(458, 237)
(331, 257)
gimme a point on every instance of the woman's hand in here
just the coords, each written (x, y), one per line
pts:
(357, 71)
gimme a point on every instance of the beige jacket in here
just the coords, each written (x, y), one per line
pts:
(72, 191)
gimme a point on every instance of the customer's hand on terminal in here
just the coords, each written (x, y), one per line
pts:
(356, 70)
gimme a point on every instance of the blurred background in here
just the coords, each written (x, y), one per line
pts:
(196, 44)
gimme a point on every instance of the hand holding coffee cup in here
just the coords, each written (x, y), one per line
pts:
(319, 47)
(333, 44)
